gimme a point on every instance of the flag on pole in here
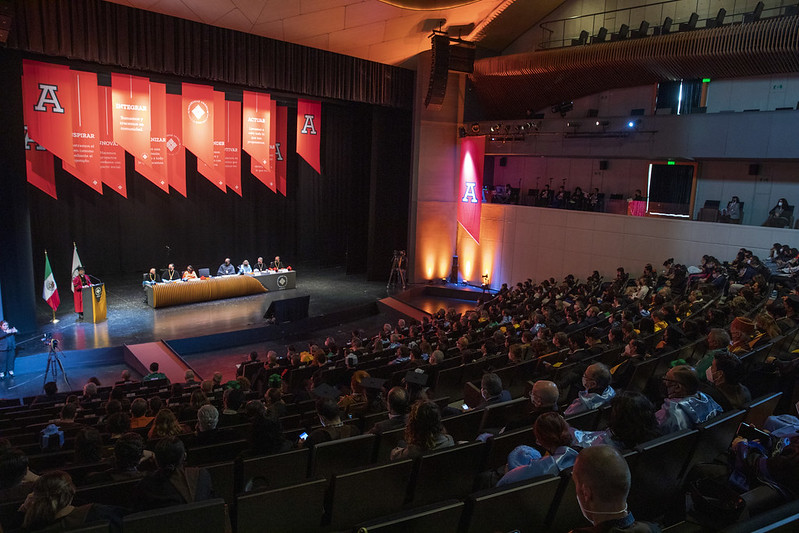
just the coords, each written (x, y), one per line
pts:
(50, 290)
(75, 263)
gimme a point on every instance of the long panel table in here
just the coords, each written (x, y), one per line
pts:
(277, 281)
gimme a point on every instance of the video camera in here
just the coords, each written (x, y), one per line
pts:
(48, 340)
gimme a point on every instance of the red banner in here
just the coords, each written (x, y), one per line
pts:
(263, 175)
(112, 156)
(309, 130)
(233, 146)
(470, 190)
(175, 152)
(198, 121)
(281, 134)
(85, 131)
(156, 170)
(130, 98)
(47, 100)
(216, 172)
(39, 165)
(256, 135)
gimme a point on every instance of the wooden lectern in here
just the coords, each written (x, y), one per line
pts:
(94, 306)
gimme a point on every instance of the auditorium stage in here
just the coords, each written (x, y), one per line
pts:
(214, 336)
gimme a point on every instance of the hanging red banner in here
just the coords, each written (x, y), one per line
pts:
(156, 169)
(263, 175)
(216, 172)
(281, 134)
(130, 98)
(112, 156)
(175, 153)
(233, 146)
(256, 121)
(40, 166)
(85, 131)
(47, 101)
(309, 131)
(470, 190)
(198, 121)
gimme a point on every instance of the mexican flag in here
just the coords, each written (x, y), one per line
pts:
(50, 290)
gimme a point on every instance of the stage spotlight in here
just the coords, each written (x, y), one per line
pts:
(603, 123)
(634, 124)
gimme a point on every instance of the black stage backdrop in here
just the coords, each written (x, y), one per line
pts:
(324, 220)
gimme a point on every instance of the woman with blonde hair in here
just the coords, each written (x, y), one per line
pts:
(166, 425)
(49, 506)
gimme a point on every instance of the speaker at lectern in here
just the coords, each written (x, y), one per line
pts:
(94, 303)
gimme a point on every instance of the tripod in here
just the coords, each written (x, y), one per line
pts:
(397, 275)
(53, 364)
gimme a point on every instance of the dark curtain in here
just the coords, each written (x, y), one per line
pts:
(111, 34)
(672, 184)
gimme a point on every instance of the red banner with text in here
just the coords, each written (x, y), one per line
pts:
(256, 134)
(130, 112)
(156, 169)
(309, 130)
(112, 155)
(216, 172)
(85, 131)
(233, 146)
(470, 190)
(175, 152)
(198, 121)
(40, 166)
(281, 134)
(48, 102)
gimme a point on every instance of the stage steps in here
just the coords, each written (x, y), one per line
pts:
(139, 357)
(405, 308)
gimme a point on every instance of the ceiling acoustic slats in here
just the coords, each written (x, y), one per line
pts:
(508, 86)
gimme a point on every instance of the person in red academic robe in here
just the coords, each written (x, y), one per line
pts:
(78, 282)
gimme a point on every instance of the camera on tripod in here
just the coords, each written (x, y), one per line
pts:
(48, 340)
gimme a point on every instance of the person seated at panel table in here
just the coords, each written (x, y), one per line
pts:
(226, 269)
(260, 266)
(189, 273)
(151, 278)
(170, 274)
(245, 268)
(276, 264)
(731, 213)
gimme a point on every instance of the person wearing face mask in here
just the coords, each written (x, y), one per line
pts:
(598, 392)
(602, 482)
(717, 342)
(778, 216)
(724, 382)
(685, 406)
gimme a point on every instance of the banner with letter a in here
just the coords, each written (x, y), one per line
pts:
(155, 169)
(47, 100)
(281, 134)
(130, 98)
(112, 156)
(309, 131)
(198, 121)
(85, 131)
(470, 188)
(40, 166)
(214, 171)
(175, 151)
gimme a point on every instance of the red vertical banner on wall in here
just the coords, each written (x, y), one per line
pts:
(281, 134)
(256, 109)
(233, 146)
(156, 170)
(130, 112)
(309, 131)
(470, 189)
(112, 156)
(39, 166)
(198, 121)
(175, 152)
(85, 131)
(47, 101)
(215, 171)
(263, 175)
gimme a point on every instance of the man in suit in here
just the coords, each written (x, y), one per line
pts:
(226, 269)
(397, 403)
(260, 266)
(276, 264)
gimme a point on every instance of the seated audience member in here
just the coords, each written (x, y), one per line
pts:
(724, 377)
(544, 397)
(89, 394)
(50, 394)
(154, 373)
(778, 216)
(226, 269)
(597, 393)
(117, 425)
(265, 438)
(124, 378)
(397, 405)
(138, 414)
(684, 406)
(67, 417)
(128, 454)
(632, 422)
(602, 482)
(166, 425)
(492, 392)
(49, 506)
(718, 340)
(205, 432)
(553, 434)
(332, 426)
(189, 273)
(189, 378)
(275, 407)
(216, 381)
(173, 483)
(16, 480)
(742, 330)
(232, 403)
(357, 401)
(89, 446)
(423, 432)
(252, 359)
